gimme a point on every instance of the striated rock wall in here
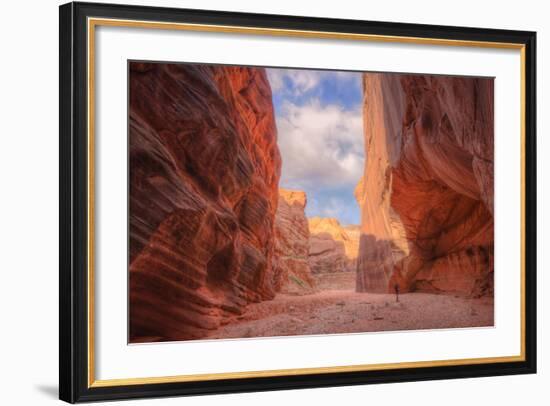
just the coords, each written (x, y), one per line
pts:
(351, 245)
(427, 192)
(204, 170)
(332, 247)
(290, 264)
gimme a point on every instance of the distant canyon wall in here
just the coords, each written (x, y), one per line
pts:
(306, 247)
(332, 247)
(204, 173)
(290, 264)
(426, 196)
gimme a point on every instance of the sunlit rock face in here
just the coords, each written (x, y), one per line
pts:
(204, 169)
(290, 263)
(426, 196)
(332, 247)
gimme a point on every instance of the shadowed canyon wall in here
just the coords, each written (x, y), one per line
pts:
(290, 264)
(332, 247)
(204, 172)
(426, 196)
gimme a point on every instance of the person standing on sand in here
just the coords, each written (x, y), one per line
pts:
(396, 288)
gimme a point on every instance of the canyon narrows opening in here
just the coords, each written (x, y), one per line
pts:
(280, 202)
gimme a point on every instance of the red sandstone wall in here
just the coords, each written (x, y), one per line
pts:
(427, 191)
(291, 267)
(204, 171)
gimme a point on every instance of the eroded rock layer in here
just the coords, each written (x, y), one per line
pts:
(290, 263)
(427, 192)
(332, 247)
(204, 169)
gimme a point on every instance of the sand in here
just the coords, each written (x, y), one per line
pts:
(346, 311)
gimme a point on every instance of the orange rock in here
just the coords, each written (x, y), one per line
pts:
(427, 192)
(204, 171)
(290, 263)
(332, 247)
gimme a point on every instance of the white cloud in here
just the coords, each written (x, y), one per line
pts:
(275, 77)
(320, 137)
(302, 81)
(321, 145)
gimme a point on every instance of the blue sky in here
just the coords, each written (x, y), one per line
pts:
(320, 136)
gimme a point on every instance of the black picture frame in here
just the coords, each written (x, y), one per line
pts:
(74, 385)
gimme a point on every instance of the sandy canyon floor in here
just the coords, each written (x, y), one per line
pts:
(339, 309)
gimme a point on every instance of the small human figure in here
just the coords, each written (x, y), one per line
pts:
(396, 288)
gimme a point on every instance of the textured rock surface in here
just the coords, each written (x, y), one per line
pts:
(332, 247)
(335, 281)
(351, 245)
(290, 263)
(427, 192)
(204, 171)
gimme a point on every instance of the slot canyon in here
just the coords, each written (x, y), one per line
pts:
(218, 249)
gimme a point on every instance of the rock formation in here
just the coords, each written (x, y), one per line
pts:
(204, 172)
(332, 247)
(427, 192)
(290, 263)
(351, 245)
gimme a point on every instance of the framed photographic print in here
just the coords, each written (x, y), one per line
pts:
(257, 202)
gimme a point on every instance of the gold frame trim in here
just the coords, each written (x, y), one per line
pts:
(94, 22)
